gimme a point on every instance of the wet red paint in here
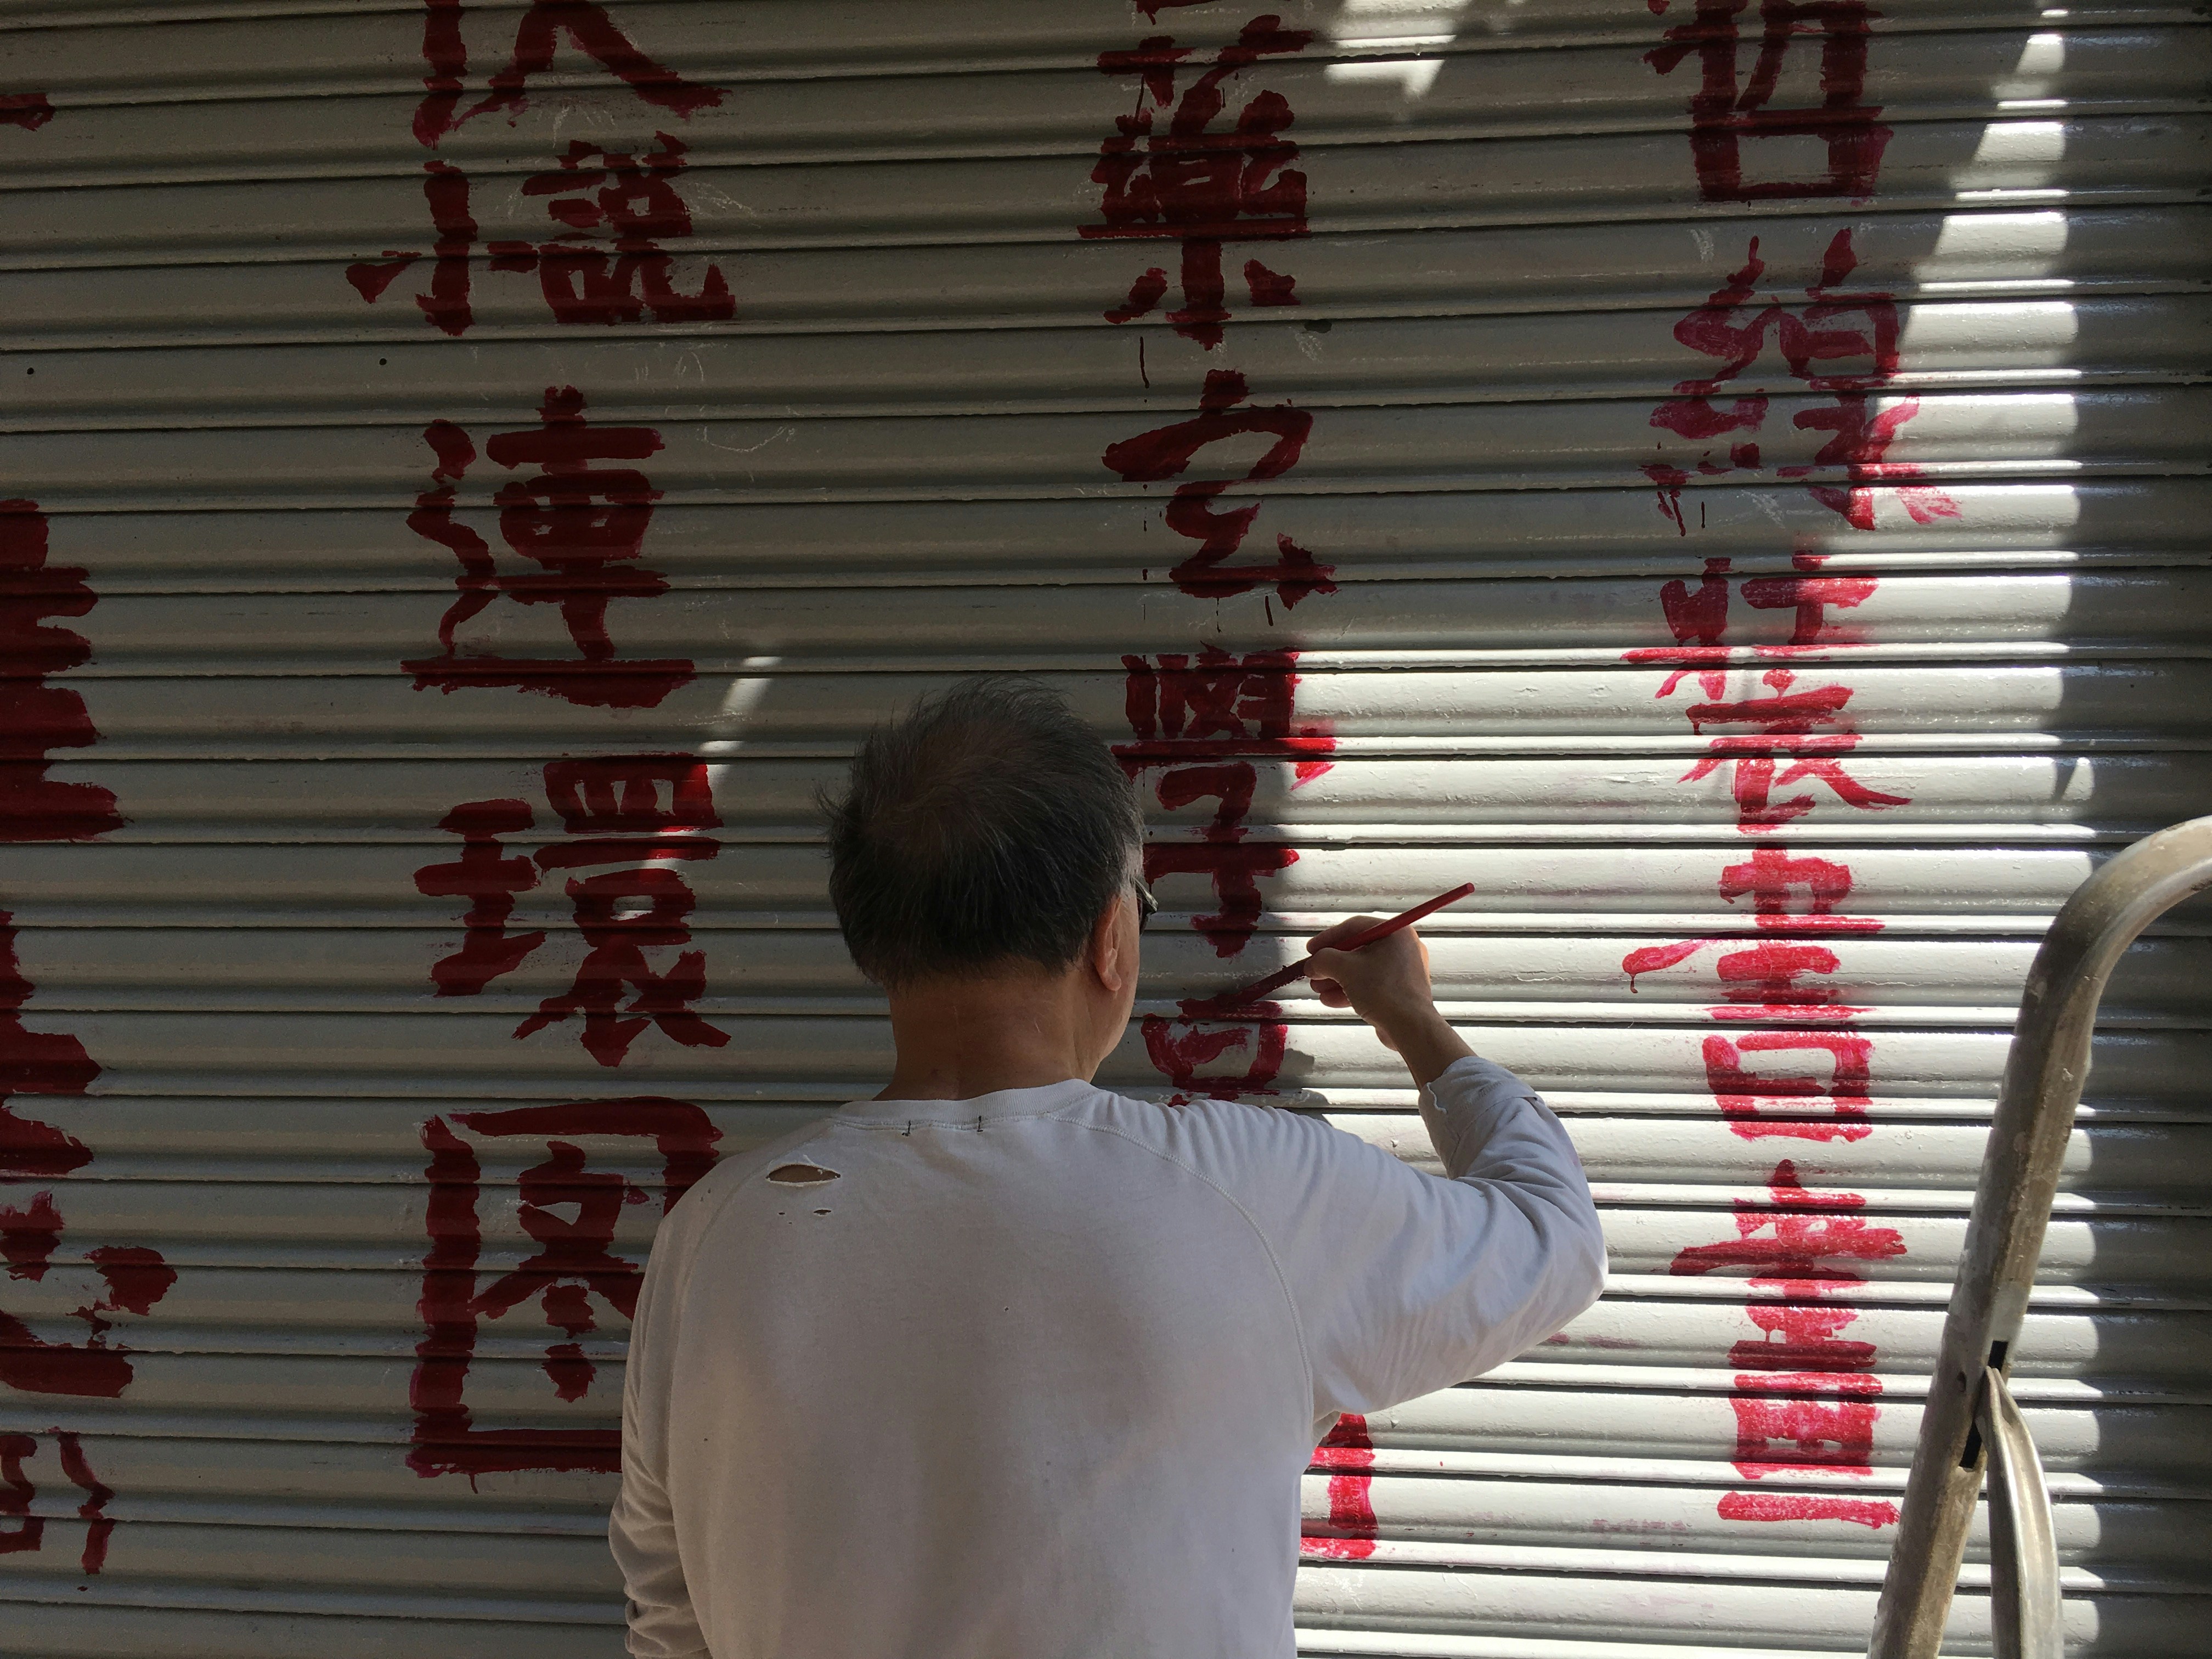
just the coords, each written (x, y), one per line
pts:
(1805, 1506)
(635, 811)
(1732, 114)
(1348, 1454)
(28, 110)
(538, 31)
(575, 1261)
(1199, 186)
(584, 525)
(36, 718)
(1797, 1236)
(1806, 1397)
(1835, 342)
(1795, 1105)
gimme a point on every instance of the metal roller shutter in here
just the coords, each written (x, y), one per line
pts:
(1727, 478)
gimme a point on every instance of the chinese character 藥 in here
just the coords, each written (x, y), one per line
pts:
(1197, 186)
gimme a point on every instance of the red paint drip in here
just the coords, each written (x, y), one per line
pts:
(1348, 1454)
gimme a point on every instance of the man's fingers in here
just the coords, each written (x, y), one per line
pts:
(1330, 937)
(1331, 993)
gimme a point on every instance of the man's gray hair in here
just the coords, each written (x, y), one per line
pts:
(985, 826)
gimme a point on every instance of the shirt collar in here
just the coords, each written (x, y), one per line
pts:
(965, 1113)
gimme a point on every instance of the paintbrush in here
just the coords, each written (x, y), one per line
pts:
(1225, 1001)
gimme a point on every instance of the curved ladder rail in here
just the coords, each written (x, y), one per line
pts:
(1969, 1408)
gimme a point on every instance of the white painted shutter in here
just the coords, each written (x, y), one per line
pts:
(1728, 479)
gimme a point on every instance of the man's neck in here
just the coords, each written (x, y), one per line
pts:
(960, 1039)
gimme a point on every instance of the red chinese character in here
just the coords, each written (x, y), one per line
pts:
(575, 1261)
(18, 1493)
(1789, 746)
(1731, 113)
(1817, 350)
(1222, 707)
(536, 34)
(1199, 186)
(611, 805)
(35, 717)
(1167, 452)
(1779, 1434)
(607, 267)
(1178, 1048)
(1697, 617)
(584, 525)
(1795, 1105)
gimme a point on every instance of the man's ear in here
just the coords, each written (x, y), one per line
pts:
(1108, 963)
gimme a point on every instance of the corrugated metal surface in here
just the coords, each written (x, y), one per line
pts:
(1729, 479)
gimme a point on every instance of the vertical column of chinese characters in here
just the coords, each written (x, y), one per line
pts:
(1192, 168)
(1790, 1062)
(1181, 168)
(636, 822)
(570, 503)
(108, 1282)
(1797, 1067)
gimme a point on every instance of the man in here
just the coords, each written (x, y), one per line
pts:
(1000, 1365)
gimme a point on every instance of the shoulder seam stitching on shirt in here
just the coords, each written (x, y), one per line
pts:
(1282, 1281)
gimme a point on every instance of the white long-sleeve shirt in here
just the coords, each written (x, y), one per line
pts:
(1038, 1373)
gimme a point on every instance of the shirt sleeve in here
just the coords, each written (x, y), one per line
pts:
(641, 1532)
(1406, 1282)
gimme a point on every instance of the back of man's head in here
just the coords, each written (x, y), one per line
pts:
(986, 826)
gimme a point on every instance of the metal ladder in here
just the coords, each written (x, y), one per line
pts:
(1971, 1418)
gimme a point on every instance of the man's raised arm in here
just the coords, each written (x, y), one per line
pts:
(1405, 1283)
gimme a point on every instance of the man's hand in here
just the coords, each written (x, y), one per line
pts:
(1387, 985)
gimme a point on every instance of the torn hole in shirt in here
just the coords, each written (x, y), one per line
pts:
(802, 1175)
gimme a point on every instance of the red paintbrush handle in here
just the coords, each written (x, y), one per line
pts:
(1282, 976)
